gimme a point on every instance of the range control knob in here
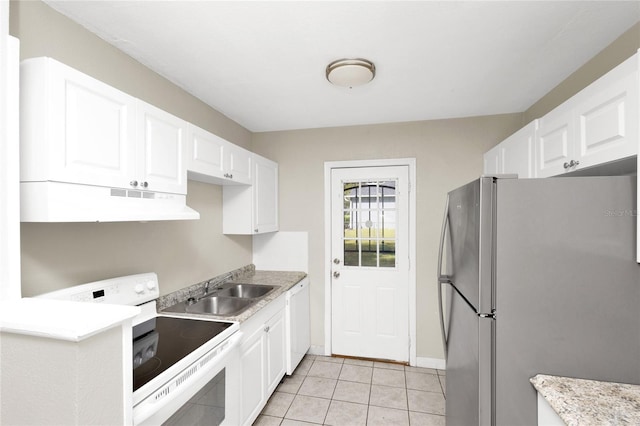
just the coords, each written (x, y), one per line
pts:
(138, 289)
(151, 285)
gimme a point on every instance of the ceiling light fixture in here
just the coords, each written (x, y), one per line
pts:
(350, 72)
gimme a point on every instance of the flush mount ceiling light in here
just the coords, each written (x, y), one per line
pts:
(350, 72)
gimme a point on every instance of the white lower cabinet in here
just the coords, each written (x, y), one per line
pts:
(276, 351)
(547, 416)
(262, 359)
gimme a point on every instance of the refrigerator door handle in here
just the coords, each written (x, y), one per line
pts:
(443, 279)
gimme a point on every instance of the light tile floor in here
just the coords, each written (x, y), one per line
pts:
(346, 392)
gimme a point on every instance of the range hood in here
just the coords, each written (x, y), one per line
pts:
(50, 201)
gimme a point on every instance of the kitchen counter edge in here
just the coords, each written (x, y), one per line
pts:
(590, 402)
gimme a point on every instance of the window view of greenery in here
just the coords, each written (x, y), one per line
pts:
(370, 224)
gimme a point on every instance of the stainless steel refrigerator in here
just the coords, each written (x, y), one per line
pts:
(537, 276)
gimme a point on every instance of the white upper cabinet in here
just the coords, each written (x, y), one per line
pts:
(606, 117)
(517, 151)
(77, 129)
(161, 148)
(492, 163)
(597, 125)
(514, 155)
(554, 142)
(265, 195)
(74, 128)
(252, 209)
(238, 163)
(212, 159)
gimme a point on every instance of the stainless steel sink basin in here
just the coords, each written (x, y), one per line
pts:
(227, 300)
(245, 291)
(216, 305)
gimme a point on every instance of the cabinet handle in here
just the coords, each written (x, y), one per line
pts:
(228, 175)
(255, 230)
(144, 184)
(133, 183)
(266, 329)
(571, 163)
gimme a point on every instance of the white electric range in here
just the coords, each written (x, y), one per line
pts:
(185, 370)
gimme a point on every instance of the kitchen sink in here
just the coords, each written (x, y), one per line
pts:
(217, 305)
(227, 300)
(245, 291)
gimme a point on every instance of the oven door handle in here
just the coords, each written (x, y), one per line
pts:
(146, 409)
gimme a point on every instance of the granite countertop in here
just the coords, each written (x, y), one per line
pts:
(283, 280)
(590, 402)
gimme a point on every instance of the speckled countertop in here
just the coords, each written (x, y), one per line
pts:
(589, 402)
(283, 280)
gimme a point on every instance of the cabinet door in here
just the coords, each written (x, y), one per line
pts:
(91, 129)
(265, 195)
(252, 209)
(253, 385)
(161, 138)
(205, 153)
(554, 142)
(492, 163)
(237, 164)
(276, 350)
(607, 119)
(516, 152)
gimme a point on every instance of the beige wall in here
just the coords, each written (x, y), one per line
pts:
(448, 153)
(181, 252)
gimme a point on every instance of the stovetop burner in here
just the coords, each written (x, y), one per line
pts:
(173, 339)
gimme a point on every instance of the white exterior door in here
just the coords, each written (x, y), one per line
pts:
(370, 262)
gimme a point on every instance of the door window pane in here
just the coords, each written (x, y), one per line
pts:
(351, 253)
(370, 223)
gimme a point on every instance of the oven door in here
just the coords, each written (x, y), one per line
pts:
(204, 393)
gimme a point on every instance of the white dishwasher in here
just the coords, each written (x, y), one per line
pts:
(298, 327)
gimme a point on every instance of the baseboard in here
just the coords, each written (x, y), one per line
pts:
(316, 350)
(436, 363)
(423, 362)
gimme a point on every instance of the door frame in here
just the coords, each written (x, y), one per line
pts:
(328, 167)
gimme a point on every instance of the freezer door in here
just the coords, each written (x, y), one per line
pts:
(470, 261)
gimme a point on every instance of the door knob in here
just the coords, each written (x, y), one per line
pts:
(336, 274)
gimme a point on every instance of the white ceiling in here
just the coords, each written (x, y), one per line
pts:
(263, 63)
